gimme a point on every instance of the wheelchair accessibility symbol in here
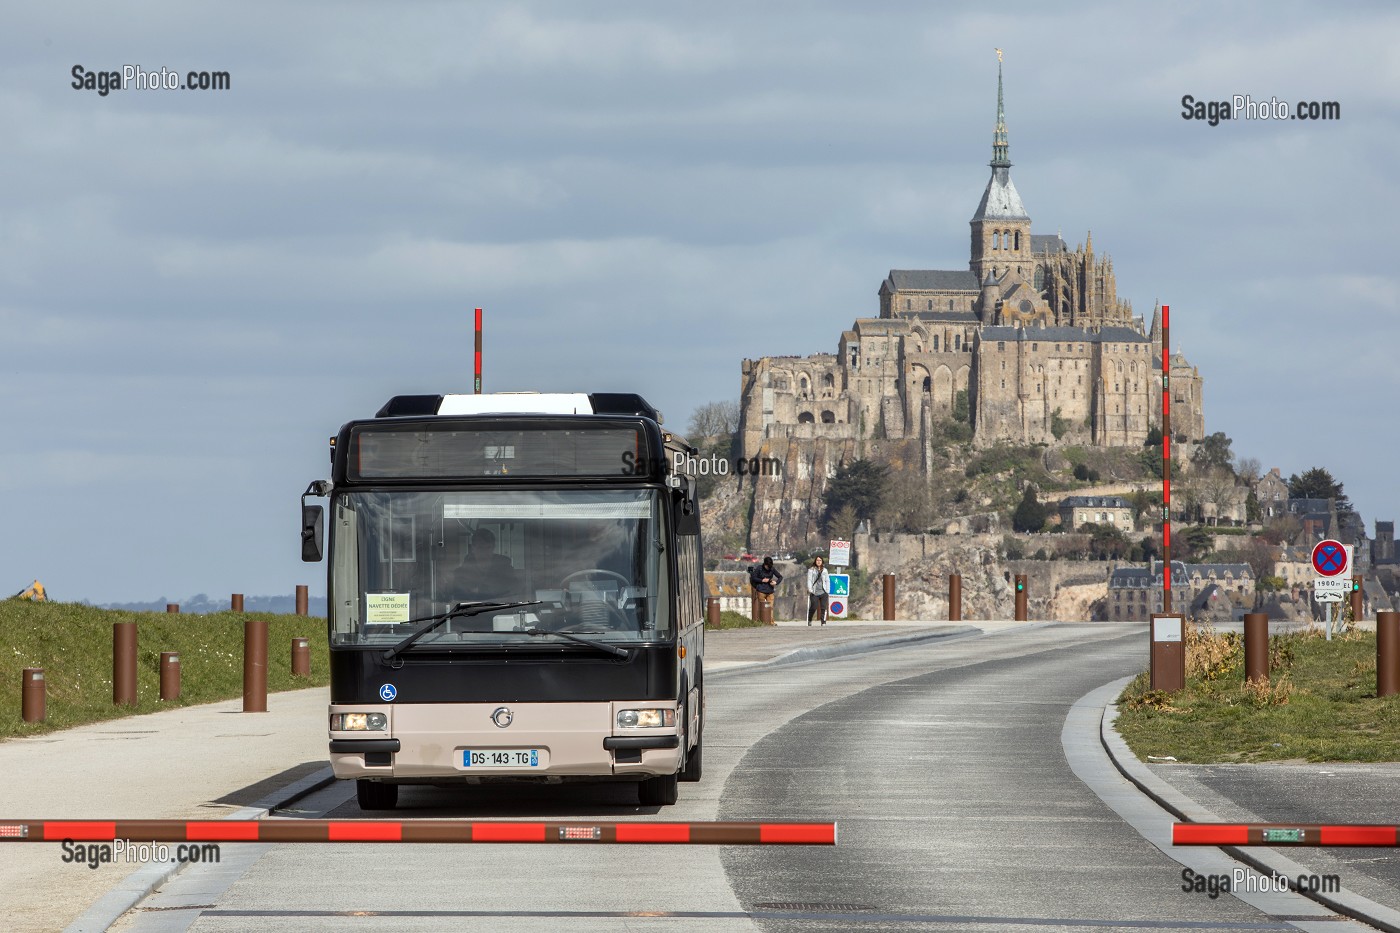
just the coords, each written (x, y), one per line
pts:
(387, 693)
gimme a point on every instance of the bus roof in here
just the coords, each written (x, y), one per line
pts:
(520, 403)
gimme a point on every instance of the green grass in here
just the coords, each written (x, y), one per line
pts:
(729, 619)
(1321, 705)
(73, 644)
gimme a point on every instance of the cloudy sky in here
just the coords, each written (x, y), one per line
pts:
(198, 288)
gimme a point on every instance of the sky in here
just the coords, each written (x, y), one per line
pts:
(197, 288)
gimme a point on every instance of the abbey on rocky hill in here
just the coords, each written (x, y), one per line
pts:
(1032, 332)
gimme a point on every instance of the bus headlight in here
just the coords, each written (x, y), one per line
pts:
(359, 722)
(645, 718)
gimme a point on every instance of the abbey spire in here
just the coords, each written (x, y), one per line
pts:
(1001, 229)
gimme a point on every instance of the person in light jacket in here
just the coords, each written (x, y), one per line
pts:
(818, 586)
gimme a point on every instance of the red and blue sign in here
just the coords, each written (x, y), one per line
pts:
(1329, 558)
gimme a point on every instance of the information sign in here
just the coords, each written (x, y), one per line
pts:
(839, 554)
(839, 587)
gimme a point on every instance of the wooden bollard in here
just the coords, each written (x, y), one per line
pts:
(170, 675)
(1256, 647)
(301, 599)
(887, 583)
(1387, 653)
(33, 695)
(172, 608)
(712, 612)
(235, 603)
(301, 657)
(255, 666)
(954, 597)
(124, 663)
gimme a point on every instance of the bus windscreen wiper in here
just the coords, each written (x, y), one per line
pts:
(459, 611)
(601, 646)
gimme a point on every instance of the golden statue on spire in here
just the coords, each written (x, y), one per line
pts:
(998, 51)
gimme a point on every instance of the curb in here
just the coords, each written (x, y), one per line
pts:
(135, 887)
(855, 646)
(1346, 903)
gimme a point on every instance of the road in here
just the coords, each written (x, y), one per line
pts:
(942, 763)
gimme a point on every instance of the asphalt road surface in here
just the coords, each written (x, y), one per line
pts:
(942, 764)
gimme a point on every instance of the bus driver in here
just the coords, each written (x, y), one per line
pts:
(484, 574)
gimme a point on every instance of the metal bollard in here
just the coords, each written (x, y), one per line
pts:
(33, 695)
(712, 612)
(954, 597)
(766, 607)
(301, 599)
(170, 675)
(887, 583)
(124, 663)
(255, 666)
(1256, 647)
(235, 603)
(1387, 653)
(1020, 597)
(172, 608)
(301, 657)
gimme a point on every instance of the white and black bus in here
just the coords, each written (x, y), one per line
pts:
(514, 594)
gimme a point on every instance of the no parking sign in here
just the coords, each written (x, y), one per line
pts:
(839, 589)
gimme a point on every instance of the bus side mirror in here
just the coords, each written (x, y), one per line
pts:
(312, 532)
(686, 510)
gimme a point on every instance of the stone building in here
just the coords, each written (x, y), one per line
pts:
(1134, 593)
(1031, 340)
(1113, 511)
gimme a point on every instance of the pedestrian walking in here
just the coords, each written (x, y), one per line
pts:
(818, 588)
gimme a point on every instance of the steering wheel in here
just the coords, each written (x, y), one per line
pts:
(596, 571)
(617, 619)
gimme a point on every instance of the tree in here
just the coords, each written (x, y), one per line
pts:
(714, 419)
(960, 406)
(1317, 483)
(1192, 544)
(1214, 451)
(859, 484)
(907, 505)
(1248, 470)
(1217, 487)
(1058, 425)
(1030, 514)
(1251, 507)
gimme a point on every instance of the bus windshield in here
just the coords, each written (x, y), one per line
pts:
(594, 561)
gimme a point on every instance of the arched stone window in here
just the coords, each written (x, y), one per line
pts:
(928, 384)
(935, 343)
(1018, 239)
(828, 417)
(806, 418)
(957, 341)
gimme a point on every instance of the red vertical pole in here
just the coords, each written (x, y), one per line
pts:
(476, 385)
(1166, 462)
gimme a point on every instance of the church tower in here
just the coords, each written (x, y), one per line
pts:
(1001, 231)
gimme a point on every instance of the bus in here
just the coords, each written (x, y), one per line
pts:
(514, 589)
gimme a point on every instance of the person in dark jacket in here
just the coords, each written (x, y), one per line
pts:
(764, 579)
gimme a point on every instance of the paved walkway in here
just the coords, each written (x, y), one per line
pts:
(214, 761)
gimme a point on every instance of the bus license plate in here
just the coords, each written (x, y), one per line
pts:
(502, 758)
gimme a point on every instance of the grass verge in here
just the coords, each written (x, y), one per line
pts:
(1320, 704)
(73, 644)
(730, 619)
